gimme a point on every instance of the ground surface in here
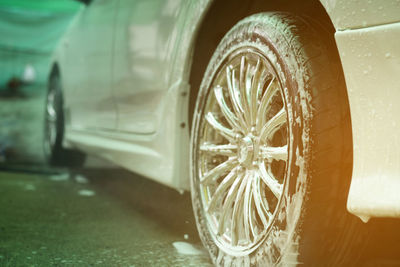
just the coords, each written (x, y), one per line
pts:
(103, 217)
(60, 217)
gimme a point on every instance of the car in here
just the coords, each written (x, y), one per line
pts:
(276, 115)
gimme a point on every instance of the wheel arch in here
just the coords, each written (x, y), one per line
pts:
(212, 29)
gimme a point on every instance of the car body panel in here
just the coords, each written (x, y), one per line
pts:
(355, 14)
(367, 36)
(371, 63)
(150, 94)
(88, 45)
(152, 135)
(137, 61)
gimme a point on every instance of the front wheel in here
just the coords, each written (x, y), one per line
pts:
(271, 148)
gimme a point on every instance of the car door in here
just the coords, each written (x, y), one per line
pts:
(89, 59)
(145, 35)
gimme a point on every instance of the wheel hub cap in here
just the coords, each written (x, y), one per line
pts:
(246, 151)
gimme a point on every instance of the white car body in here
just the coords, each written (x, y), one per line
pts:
(133, 109)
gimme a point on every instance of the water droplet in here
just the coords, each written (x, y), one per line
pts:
(387, 55)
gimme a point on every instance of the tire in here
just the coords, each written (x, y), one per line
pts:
(271, 149)
(54, 121)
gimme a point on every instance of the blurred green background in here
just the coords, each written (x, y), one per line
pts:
(30, 31)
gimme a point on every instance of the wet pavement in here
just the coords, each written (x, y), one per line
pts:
(111, 217)
(94, 218)
(85, 217)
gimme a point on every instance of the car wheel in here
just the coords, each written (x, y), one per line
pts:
(54, 121)
(271, 148)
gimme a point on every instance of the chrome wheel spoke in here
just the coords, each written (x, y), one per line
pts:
(221, 189)
(253, 86)
(270, 181)
(266, 102)
(248, 87)
(247, 211)
(218, 171)
(224, 150)
(227, 206)
(274, 153)
(222, 130)
(235, 96)
(50, 109)
(262, 79)
(273, 124)
(229, 115)
(262, 210)
(243, 92)
(237, 213)
(252, 222)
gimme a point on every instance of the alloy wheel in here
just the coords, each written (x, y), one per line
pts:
(242, 151)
